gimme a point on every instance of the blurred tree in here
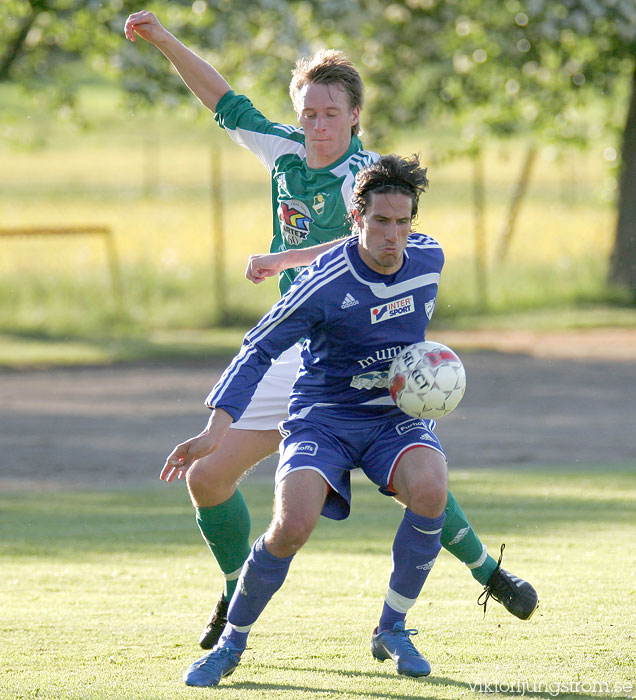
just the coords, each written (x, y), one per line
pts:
(503, 68)
(42, 41)
(253, 43)
(593, 44)
(494, 67)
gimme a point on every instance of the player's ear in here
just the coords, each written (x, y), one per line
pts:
(355, 115)
(295, 105)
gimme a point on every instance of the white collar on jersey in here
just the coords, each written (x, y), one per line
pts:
(386, 291)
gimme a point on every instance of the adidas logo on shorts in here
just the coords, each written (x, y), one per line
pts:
(349, 301)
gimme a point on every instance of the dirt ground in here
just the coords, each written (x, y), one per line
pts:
(532, 399)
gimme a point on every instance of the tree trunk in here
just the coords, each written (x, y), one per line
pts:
(14, 48)
(479, 208)
(515, 204)
(623, 260)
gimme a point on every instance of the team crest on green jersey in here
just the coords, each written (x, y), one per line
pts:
(319, 203)
(295, 220)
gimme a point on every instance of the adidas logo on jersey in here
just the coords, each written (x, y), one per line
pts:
(349, 301)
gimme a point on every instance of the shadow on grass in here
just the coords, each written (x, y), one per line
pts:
(161, 519)
(28, 348)
(439, 682)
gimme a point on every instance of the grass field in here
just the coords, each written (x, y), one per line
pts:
(147, 176)
(104, 593)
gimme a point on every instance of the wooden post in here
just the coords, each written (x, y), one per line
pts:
(515, 203)
(104, 231)
(115, 270)
(481, 265)
(218, 239)
(150, 166)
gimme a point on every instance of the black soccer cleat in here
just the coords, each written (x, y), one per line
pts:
(516, 595)
(218, 619)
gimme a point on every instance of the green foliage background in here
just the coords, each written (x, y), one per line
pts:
(96, 129)
(505, 67)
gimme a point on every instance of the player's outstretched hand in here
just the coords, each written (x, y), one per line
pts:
(259, 267)
(186, 453)
(146, 25)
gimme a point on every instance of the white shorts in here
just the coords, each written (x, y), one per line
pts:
(268, 406)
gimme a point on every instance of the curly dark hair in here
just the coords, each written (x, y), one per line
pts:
(390, 174)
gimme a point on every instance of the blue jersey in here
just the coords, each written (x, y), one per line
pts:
(354, 321)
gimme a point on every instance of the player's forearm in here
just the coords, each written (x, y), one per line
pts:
(202, 79)
(218, 423)
(301, 257)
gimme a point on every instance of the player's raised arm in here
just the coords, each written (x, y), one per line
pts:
(259, 267)
(204, 81)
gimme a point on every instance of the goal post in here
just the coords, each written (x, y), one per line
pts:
(104, 232)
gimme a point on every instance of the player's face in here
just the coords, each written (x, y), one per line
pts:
(383, 231)
(326, 117)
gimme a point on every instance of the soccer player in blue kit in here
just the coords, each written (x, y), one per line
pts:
(337, 423)
(312, 169)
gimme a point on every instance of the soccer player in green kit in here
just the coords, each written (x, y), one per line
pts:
(312, 169)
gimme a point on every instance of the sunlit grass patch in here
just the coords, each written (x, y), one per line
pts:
(148, 177)
(106, 591)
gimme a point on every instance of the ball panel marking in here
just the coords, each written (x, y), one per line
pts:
(427, 380)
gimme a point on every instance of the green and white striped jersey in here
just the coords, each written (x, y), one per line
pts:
(309, 205)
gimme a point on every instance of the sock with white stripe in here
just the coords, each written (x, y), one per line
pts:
(459, 538)
(262, 575)
(415, 547)
(226, 529)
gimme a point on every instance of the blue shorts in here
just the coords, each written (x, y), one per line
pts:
(334, 448)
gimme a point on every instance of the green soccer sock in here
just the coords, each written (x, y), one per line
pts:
(226, 529)
(459, 538)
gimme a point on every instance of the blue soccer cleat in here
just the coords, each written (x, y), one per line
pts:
(209, 669)
(395, 644)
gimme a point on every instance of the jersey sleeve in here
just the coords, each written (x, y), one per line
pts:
(428, 243)
(288, 321)
(247, 127)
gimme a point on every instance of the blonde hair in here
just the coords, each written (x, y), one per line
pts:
(327, 67)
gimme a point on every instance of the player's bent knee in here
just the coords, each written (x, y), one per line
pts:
(206, 486)
(428, 499)
(287, 536)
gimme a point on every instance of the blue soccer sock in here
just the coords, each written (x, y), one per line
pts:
(262, 575)
(415, 548)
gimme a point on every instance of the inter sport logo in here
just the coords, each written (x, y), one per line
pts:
(399, 307)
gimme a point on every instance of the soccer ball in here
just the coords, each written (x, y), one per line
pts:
(427, 380)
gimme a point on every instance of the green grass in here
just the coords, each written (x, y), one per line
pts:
(42, 350)
(147, 177)
(46, 347)
(104, 593)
